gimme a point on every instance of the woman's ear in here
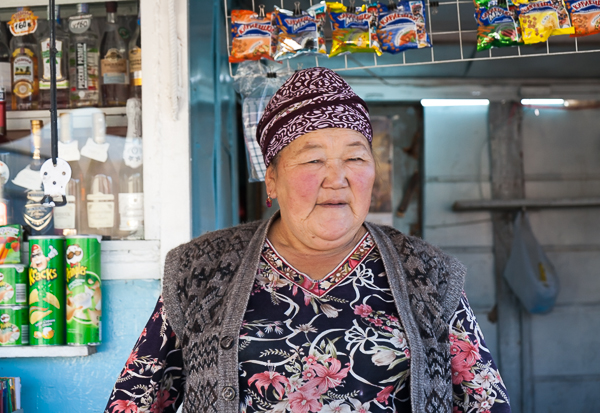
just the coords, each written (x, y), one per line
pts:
(270, 181)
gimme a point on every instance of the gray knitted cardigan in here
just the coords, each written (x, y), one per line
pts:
(207, 284)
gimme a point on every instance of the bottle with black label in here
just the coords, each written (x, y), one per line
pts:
(131, 190)
(61, 64)
(3, 128)
(84, 58)
(67, 219)
(113, 64)
(35, 217)
(101, 182)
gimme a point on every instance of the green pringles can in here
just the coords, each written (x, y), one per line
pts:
(13, 285)
(84, 290)
(47, 290)
(14, 325)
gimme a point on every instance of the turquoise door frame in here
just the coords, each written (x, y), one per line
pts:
(213, 121)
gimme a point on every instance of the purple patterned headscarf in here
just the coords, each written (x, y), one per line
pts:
(310, 100)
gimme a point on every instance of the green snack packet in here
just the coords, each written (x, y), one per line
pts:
(11, 237)
(497, 27)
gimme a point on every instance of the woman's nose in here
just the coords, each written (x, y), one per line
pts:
(336, 175)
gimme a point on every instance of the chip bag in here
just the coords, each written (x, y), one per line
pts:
(354, 31)
(11, 237)
(497, 27)
(542, 19)
(251, 36)
(585, 15)
(299, 32)
(403, 27)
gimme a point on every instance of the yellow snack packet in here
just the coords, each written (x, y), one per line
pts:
(542, 19)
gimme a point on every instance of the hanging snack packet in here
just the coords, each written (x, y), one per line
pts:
(354, 31)
(585, 15)
(497, 27)
(397, 30)
(251, 35)
(542, 19)
(299, 32)
(417, 8)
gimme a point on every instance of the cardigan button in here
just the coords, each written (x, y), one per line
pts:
(226, 342)
(228, 393)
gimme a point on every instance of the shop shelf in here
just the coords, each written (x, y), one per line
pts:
(19, 119)
(34, 3)
(46, 351)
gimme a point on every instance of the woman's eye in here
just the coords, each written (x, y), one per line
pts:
(355, 159)
(314, 161)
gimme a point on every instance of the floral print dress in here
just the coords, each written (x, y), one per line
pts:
(333, 345)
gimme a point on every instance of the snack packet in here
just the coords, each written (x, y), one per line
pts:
(299, 32)
(11, 237)
(542, 19)
(497, 27)
(397, 30)
(251, 36)
(417, 8)
(354, 30)
(585, 15)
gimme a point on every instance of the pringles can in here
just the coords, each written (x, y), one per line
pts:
(84, 290)
(13, 285)
(47, 290)
(14, 326)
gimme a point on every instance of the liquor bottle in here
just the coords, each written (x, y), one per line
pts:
(113, 66)
(35, 217)
(100, 187)
(135, 62)
(5, 75)
(67, 219)
(62, 65)
(84, 59)
(24, 62)
(131, 191)
(3, 127)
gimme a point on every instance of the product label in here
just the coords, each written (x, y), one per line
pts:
(114, 68)
(131, 211)
(101, 211)
(28, 179)
(81, 65)
(5, 76)
(4, 172)
(69, 151)
(36, 215)
(96, 151)
(135, 66)
(64, 217)
(132, 152)
(22, 23)
(46, 59)
(80, 24)
(23, 72)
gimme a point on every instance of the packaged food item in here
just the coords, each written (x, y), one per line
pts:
(542, 19)
(417, 8)
(354, 30)
(299, 32)
(585, 15)
(251, 35)
(497, 26)
(84, 290)
(10, 244)
(397, 29)
(47, 290)
(13, 285)
(14, 326)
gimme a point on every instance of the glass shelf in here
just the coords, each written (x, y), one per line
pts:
(46, 351)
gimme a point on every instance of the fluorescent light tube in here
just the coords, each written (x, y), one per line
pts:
(542, 102)
(454, 102)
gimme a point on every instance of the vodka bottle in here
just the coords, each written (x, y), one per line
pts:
(24, 64)
(83, 59)
(62, 65)
(131, 192)
(135, 63)
(100, 187)
(3, 127)
(5, 73)
(67, 219)
(113, 66)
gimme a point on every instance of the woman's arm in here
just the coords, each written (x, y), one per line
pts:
(476, 382)
(152, 379)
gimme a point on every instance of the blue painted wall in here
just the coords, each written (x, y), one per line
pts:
(83, 384)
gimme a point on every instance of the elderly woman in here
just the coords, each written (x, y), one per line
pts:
(314, 310)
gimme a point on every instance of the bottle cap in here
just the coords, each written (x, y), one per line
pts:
(99, 127)
(111, 6)
(56, 12)
(36, 125)
(83, 8)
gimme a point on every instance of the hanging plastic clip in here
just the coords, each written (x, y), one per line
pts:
(392, 5)
(351, 8)
(434, 7)
(261, 11)
(54, 180)
(297, 9)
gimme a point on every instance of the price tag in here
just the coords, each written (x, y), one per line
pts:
(69, 151)
(22, 23)
(95, 151)
(28, 179)
(80, 24)
(132, 152)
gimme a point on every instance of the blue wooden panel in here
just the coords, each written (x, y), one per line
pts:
(84, 384)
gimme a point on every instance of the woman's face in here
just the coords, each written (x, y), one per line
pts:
(323, 182)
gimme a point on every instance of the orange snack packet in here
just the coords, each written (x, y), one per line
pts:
(251, 36)
(585, 15)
